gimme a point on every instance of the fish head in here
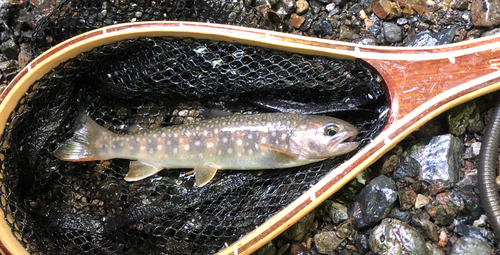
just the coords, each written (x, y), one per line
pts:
(321, 137)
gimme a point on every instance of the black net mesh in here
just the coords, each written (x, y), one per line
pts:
(56, 207)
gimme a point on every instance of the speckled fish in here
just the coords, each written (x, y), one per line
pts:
(238, 141)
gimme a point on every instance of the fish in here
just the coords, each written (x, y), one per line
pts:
(237, 142)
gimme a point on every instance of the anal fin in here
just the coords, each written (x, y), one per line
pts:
(140, 170)
(203, 174)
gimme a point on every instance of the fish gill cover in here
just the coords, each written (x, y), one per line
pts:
(56, 207)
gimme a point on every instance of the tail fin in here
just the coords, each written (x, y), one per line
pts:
(81, 147)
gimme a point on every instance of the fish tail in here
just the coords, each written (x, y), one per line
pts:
(81, 147)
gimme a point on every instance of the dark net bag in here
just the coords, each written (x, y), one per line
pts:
(56, 207)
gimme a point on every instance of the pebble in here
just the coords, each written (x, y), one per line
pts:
(386, 9)
(421, 201)
(395, 237)
(267, 249)
(485, 13)
(426, 38)
(470, 246)
(421, 220)
(362, 244)
(327, 242)
(330, 7)
(407, 199)
(458, 118)
(302, 7)
(326, 27)
(433, 250)
(445, 208)
(346, 34)
(337, 212)
(461, 5)
(375, 202)
(307, 23)
(285, 7)
(9, 49)
(392, 32)
(439, 159)
(467, 190)
(299, 249)
(298, 231)
(476, 123)
(315, 6)
(407, 167)
(403, 216)
(296, 20)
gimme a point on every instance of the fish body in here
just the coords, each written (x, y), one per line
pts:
(238, 141)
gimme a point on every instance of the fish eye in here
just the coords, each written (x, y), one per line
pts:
(331, 130)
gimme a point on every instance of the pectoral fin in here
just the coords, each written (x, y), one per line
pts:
(292, 156)
(140, 170)
(203, 174)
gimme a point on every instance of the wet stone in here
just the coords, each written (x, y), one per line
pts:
(407, 199)
(362, 243)
(476, 123)
(346, 34)
(395, 237)
(325, 27)
(302, 7)
(327, 242)
(392, 32)
(440, 160)
(470, 246)
(426, 38)
(421, 220)
(315, 6)
(299, 230)
(458, 118)
(407, 167)
(297, 20)
(375, 201)
(337, 212)
(462, 229)
(433, 250)
(346, 229)
(307, 23)
(485, 13)
(403, 216)
(467, 190)
(299, 249)
(267, 249)
(386, 9)
(286, 7)
(10, 49)
(421, 201)
(461, 5)
(445, 208)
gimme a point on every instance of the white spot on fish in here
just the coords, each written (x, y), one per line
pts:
(250, 151)
(288, 123)
(137, 139)
(224, 140)
(149, 140)
(283, 136)
(131, 147)
(239, 154)
(239, 142)
(113, 146)
(175, 135)
(200, 155)
(197, 128)
(151, 151)
(262, 153)
(188, 133)
(216, 131)
(169, 142)
(197, 143)
(230, 150)
(205, 133)
(142, 148)
(210, 145)
(164, 135)
(273, 134)
(263, 140)
(219, 152)
(186, 147)
(159, 147)
(256, 146)
(121, 144)
(250, 136)
(175, 150)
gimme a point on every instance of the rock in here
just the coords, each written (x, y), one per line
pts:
(462, 229)
(485, 13)
(433, 250)
(458, 118)
(407, 198)
(315, 6)
(298, 231)
(267, 249)
(297, 20)
(467, 190)
(330, 7)
(325, 27)
(345, 229)
(426, 38)
(375, 201)
(421, 201)
(461, 5)
(386, 9)
(444, 209)
(285, 7)
(302, 7)
(470, 246)
(440, 160)
(403, 216)
(299, 249)
(387, 163)
(392, 32)
(337, 212)
(362, 244)
(10, 49)
(346, 34)
(327, 242)
(307, 23)
(476, 123)
(395, 237)
(407, 167)
(421, 220)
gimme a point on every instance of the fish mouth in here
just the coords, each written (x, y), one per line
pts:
(347, 144)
